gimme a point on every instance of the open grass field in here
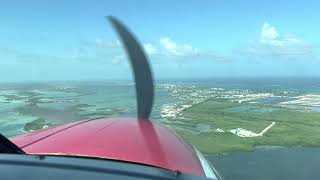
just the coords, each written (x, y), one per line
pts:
(199, 123)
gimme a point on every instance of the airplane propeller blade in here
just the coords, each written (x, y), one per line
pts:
(141, 69)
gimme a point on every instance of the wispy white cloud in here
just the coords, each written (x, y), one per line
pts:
(273, 43)
(270, 36)
(100, 50)
(268, 31)
(117, 59)
(172, 48)
(100, 43)
(150, 49)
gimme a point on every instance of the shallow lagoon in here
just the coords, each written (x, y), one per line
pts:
(26, 107)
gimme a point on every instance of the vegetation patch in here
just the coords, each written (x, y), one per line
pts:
(292, 126)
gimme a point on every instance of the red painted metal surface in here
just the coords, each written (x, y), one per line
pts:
(125, 139)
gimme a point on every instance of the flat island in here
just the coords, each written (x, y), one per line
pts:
(222, 125)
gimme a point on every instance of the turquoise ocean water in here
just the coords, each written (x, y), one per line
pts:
(25, 107)
(48, 103)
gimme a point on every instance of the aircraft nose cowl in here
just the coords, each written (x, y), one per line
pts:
(126, 139)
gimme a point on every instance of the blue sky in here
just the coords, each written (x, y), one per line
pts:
(71, 40)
